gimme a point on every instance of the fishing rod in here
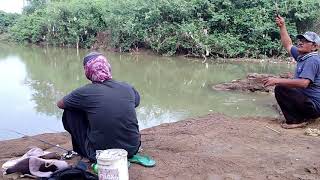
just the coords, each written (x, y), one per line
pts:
(34, 138)
(276, 8)
(67, 155)
(57, 132)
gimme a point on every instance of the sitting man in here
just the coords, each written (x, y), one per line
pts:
(101, 115)
(299, 98)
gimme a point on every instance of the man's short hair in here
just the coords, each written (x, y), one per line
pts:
(90, 56)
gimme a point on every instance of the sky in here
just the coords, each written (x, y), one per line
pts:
(11, 6)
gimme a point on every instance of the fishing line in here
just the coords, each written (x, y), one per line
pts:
(34, 138)
(68, 155)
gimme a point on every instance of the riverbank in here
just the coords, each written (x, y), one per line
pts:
(211, 147)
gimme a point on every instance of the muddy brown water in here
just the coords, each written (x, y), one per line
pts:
(33, 79)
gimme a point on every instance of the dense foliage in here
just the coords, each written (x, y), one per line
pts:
(33, 5)
(7, 20)
(225, 28)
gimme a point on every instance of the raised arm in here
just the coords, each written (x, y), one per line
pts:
(285, 38)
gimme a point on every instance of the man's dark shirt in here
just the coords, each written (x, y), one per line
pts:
(110, 110)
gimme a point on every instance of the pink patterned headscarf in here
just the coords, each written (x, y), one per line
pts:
(97, 68)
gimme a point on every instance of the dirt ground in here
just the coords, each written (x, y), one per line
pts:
(210, 147)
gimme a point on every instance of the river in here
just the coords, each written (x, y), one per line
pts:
(33, 79)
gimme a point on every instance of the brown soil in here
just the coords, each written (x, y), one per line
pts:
(210, 147)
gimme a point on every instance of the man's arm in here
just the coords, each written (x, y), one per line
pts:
(292, 83)
(74, 100)
(136, 98)
(285, 38)
(60, 104)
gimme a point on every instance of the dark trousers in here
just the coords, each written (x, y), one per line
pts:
(76, 123)
(295, 106)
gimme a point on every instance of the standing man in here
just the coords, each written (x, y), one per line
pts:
(101, 115)
(299, 98)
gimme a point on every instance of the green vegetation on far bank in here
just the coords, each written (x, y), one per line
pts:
(7, 20)
(212, 28)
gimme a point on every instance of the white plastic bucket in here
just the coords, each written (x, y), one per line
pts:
(112, 164)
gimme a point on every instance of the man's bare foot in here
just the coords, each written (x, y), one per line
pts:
(293, 126)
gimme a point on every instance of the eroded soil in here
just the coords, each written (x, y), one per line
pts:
(210, 147)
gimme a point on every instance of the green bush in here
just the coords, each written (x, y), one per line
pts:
(7, 20)
(224, 28)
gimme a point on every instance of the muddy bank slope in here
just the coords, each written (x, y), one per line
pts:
(212, 147)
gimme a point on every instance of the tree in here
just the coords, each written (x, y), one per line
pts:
(7, 20)
(33, 5)
(201, 28)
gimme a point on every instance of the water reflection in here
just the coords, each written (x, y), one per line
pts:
(17, 104)
(171, 88)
